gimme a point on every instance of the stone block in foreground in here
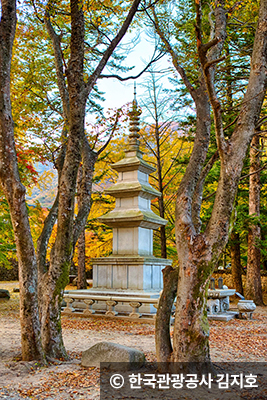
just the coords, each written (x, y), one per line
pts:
(112, 353)
(4, 294)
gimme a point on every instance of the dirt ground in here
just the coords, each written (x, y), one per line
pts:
(233, 341)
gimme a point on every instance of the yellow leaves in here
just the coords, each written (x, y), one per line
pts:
(94, 247)
(44, 181)
(37, 215)
(102, 13)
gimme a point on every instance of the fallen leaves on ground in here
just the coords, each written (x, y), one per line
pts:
(242, 339)
(73, 384)
(91, 324)
(235, 340)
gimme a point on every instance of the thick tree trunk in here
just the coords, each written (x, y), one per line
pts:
(253, 283)
(74, 97)
(236, 262)
(31, 347)
(199, 253)
(50, 310)
(57, 276)
(15, 195)
(191, 329)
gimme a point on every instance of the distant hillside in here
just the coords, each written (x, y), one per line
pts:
(46, 189)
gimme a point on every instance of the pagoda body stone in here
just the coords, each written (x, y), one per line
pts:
(132, 219)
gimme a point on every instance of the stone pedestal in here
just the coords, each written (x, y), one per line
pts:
(136, 277)
(218, 304)
(246, 307)
(129, 273)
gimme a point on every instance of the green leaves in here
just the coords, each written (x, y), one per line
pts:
(7, 241)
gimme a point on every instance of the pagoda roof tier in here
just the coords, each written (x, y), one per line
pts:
(130, 189)
(133, 163)
(132, 217)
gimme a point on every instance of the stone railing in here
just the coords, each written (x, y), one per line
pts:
(85, 305)
(137, 307)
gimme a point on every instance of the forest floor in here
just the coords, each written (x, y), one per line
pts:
(233, 341)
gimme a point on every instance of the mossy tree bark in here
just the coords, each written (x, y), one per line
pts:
(46, 341)
(81, 277)
(15, 195)
(199, 252)
(74, 94)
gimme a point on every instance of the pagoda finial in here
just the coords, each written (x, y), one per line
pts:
(135, 93)
(134, 123)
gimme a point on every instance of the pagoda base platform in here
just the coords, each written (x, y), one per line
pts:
(129, 273)
(135, 278)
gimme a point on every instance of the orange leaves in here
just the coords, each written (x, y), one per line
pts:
(64, 385)
(240, 339)
(103, 325)
(26, 168)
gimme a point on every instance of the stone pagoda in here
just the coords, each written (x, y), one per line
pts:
(131, 269)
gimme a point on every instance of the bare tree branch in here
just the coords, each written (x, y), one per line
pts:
(102, 63)
(85, 189)
(260, 122)
(253, 173)
(59, 62)
(232, 123)
(212, 62)
(111, 134)
(36, 12)
(173, 54)
(197, 198)
(134, 76)
(207, 62)
(241, 178)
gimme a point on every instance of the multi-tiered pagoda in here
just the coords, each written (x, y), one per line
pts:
(131, 269)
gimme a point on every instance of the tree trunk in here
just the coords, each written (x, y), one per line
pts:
(57, 276)
(81, 279)
(199, 253)
(253, 283)
(162, 325)
(191, 329)
(74, 97)
(15, 195)
(31, 347)
(236, 262)
(163, 243)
